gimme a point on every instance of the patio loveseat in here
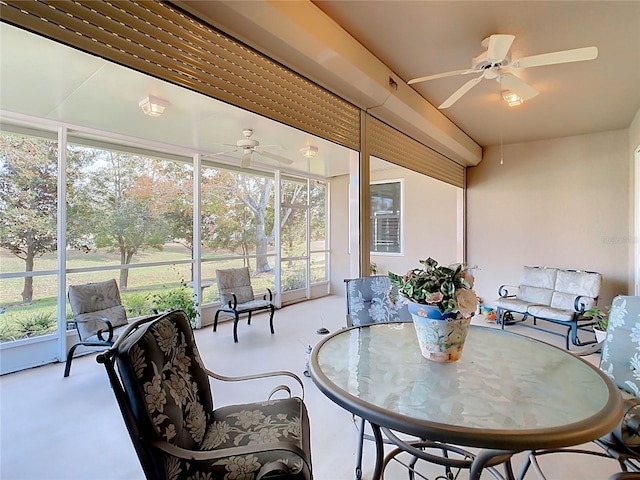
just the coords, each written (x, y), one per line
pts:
(553, 295)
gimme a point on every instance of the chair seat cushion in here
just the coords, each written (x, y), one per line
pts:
(513, 304)
(542, 311)
(252, 305)
(254, 424)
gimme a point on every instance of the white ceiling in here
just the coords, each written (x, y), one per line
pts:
(48, 80)
(418, 38)
(413, 38)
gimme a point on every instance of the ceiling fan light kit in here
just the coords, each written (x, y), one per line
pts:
(309, 151)
(153, 106)
(496, 63)
(511, 98)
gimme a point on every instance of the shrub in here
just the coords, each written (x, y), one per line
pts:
(36, 324)
(176, 299)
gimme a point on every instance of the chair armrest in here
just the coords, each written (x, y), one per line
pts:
(100, 332)
(505, 291)
(208, 455)
(233, 303)
(280, 373)
(270, 294)
(579, 304)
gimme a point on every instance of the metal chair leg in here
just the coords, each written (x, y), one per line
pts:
(67, 367)
(272, 310)
(359, 449)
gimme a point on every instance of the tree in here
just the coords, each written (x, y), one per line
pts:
(240, 212)
(226, 222)
(127, 215)
(28, 200)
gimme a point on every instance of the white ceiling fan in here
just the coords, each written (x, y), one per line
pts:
(248, 146)
(495, 63)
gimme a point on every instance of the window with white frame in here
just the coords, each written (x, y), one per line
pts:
(386, 217)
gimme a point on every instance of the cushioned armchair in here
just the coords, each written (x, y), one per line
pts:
(97, 310)
(237, 297)
(164, 393)
(368, 302)
(620, 361)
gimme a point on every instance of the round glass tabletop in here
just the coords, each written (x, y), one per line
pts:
(507, 391)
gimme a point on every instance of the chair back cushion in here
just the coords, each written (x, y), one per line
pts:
(368, 301)
(579, 283)
(234, 280)
(536, 284)
(166, 381)
(100, 300)
(621, 350)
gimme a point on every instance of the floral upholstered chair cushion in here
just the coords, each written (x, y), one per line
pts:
(368, 302)
(621, 350)
(234, 281)
(171, 397)
(92, 304)
(621, 362)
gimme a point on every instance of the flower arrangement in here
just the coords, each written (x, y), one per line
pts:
(449, 288)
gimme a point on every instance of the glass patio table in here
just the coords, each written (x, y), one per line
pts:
(508, 393)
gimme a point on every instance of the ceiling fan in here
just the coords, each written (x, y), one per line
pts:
(495, 63)
(248, 146)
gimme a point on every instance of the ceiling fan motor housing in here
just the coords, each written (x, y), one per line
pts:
(247, 143)
(481, 62)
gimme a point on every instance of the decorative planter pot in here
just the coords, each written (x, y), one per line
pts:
(441, 337)
(601, 335)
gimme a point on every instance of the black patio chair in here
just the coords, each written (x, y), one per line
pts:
(97, 312)
(164, 393)
(237, 298)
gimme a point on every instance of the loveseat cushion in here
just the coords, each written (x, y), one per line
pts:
(543, 277)
(537, 295)
(512, 304)
(542, 311)
(578, 283)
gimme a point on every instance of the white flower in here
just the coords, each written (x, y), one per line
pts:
(467, 301)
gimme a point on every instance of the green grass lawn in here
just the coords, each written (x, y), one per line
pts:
(39, 317)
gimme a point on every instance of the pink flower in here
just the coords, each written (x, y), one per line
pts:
(434, 297)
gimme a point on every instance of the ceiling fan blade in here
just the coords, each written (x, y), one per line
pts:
(517, 86)
(460, 92)
(441, 75)
(564, 56)
(499, 46)
(222, 153)
(245, 160)
(275, 157)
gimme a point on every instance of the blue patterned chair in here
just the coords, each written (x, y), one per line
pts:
(368, 302)
(164, 394)
(620, 360)
(237, 297)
